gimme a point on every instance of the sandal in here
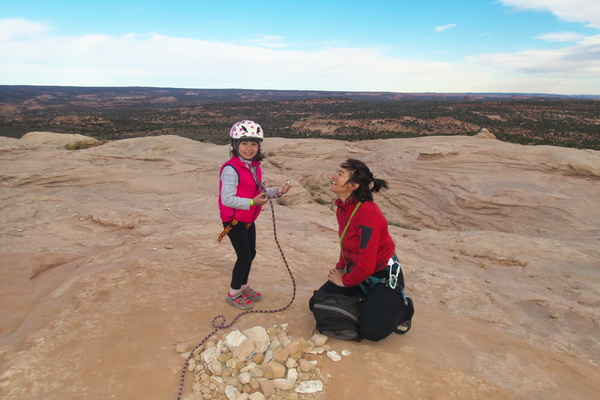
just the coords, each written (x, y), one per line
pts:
(252, 294)
(239, 301)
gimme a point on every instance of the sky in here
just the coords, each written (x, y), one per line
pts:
(407, 46)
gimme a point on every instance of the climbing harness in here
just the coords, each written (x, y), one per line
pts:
(229, 227)
(223, 324)
(226, 230)
(394, 269)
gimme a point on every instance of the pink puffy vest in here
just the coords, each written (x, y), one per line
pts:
(246, 188)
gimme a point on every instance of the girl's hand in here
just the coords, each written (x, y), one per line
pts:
(261, 199)
(335, 277)
(283, 189)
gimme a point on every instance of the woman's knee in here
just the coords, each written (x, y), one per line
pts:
(374, 334)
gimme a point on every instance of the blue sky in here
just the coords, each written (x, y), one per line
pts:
(532, 46)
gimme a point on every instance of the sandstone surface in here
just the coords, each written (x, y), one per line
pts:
(109, 265)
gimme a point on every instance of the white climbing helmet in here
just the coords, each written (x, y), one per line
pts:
(246, 130)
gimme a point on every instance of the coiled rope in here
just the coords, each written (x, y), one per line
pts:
(223, 324)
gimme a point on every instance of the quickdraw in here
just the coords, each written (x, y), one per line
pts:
(223, 324)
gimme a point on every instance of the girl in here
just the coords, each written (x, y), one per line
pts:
(241, 196)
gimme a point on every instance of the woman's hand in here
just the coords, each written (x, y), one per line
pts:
(335, 277)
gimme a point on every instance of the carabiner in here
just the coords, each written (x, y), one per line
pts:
(393, 279)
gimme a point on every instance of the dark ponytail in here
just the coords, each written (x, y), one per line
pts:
(363, 177)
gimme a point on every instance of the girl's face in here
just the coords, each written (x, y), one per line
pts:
(340, 184)
(248, 149)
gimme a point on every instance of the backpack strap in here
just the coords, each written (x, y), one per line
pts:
(344, 232)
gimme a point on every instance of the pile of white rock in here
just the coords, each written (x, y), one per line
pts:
(257, 364)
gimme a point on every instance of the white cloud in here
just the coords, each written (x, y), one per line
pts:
(267, 41)
(41, 58)
(562, 37)
(575, 62)
(443, 28)
(584, 11)
(20, 29)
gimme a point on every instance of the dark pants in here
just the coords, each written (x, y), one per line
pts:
(244, 243)
(381, 311)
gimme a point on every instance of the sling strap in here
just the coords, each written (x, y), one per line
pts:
(344, 233)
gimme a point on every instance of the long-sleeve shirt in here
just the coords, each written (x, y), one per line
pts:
(367, 245)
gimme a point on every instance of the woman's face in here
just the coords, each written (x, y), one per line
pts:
(340, 184)
(248, 149)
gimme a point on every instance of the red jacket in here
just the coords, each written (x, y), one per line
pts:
(367, 244)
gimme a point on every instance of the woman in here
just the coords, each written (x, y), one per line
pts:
(367, 263)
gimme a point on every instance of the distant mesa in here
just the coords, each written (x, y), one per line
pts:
(485, 134)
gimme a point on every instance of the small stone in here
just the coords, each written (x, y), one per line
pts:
(292, 375)
(234, 339)
(334, 356)
(182, 347)
(256, 372)
(232, 392)
(305, 365)
(277, 368)
(281, 355)
(244, 350)
(255, 385)
(216, 367)
(234, 365)
(319, 340)
(294, 346)
(210, 354)
(285, 341)
(268, 356)
(309, 387)
(258, 358)
(274, 345)
(283, 384)
(267, 388)
(256, 396)
(247, 389)
(259, 336)
(245, 377)
(169, 246)
(291, 363)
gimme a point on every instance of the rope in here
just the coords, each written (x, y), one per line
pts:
(223, 324)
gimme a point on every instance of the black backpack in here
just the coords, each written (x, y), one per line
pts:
(337, 315)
